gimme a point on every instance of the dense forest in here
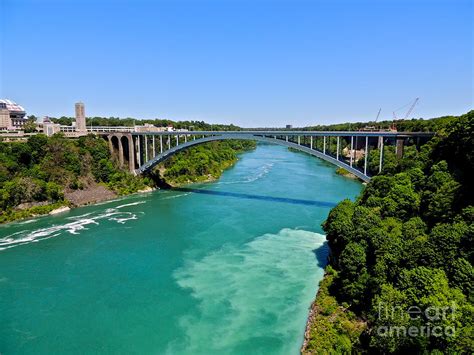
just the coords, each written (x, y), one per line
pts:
(35, 175)
(402, 125)
(38, 175)
(400, 276)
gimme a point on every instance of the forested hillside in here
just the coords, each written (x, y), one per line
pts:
(402, 125)
(39, 175)
(35, 175)
(204, 162)
(400, 277)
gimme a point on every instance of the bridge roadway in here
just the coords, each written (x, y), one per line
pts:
(142, 152)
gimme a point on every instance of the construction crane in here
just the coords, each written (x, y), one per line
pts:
(378, 114)
(371, 128)
(410, 110)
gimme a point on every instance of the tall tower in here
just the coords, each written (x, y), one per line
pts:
(80, 118)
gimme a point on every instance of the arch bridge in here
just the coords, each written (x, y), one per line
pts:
(142, 151)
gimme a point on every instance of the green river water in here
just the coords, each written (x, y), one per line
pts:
(229, 267)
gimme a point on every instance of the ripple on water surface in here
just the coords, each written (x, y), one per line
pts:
(242, 289)
(73, 225)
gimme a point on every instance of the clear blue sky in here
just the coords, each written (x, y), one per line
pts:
(252, 63)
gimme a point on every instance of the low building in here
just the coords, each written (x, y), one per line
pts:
(147, 127)
(50, 128)
(12, 115)
(289, 126)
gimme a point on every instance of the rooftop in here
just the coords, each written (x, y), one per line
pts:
(11, 106)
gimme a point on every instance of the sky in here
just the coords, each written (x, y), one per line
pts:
(259, 63)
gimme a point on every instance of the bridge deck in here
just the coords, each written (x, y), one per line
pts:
(296, 133)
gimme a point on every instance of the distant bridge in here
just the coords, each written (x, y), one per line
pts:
(142, 151)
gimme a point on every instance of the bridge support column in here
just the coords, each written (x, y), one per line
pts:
(177, 140)
(381, 153)
(337, 149)
(146, 148)
(154, 150)
(120, 152)
(366, 154)
(185, 138)
(111, 146)
(169, 142)
(287, 138)
(352, 149)
(131, 154)
(161, 144)
(311, 142)
(299, 140)
(139, 153)
(324, 145)
(399, 147)
(119, 146)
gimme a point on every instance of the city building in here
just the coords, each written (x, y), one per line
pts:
(147, 127)
(12, 115)
(80, 118)
(289, 126)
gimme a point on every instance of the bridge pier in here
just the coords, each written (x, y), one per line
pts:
(124, 149)
(352, 149)
(381, 153)
(139, 152)
(146, 149)
(399, 147)
(120, 153)
(366, 154)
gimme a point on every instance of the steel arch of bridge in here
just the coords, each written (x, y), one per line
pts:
(273, 137)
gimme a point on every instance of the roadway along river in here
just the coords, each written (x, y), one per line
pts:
(225, 267)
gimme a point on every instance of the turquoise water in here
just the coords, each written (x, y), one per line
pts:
(226, 267)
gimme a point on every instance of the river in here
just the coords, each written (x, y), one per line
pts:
(225, 267)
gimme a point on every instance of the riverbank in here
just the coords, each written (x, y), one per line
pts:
(330, 327)
(203, 163)
(347, 174)
(46, 173)
(80, 198)
(171, 183)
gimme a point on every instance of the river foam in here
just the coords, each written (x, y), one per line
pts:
(75, 226)
(239, 286)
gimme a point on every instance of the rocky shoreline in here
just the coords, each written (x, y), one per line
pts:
(313, 312)
(73, 199)
(92, 194)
